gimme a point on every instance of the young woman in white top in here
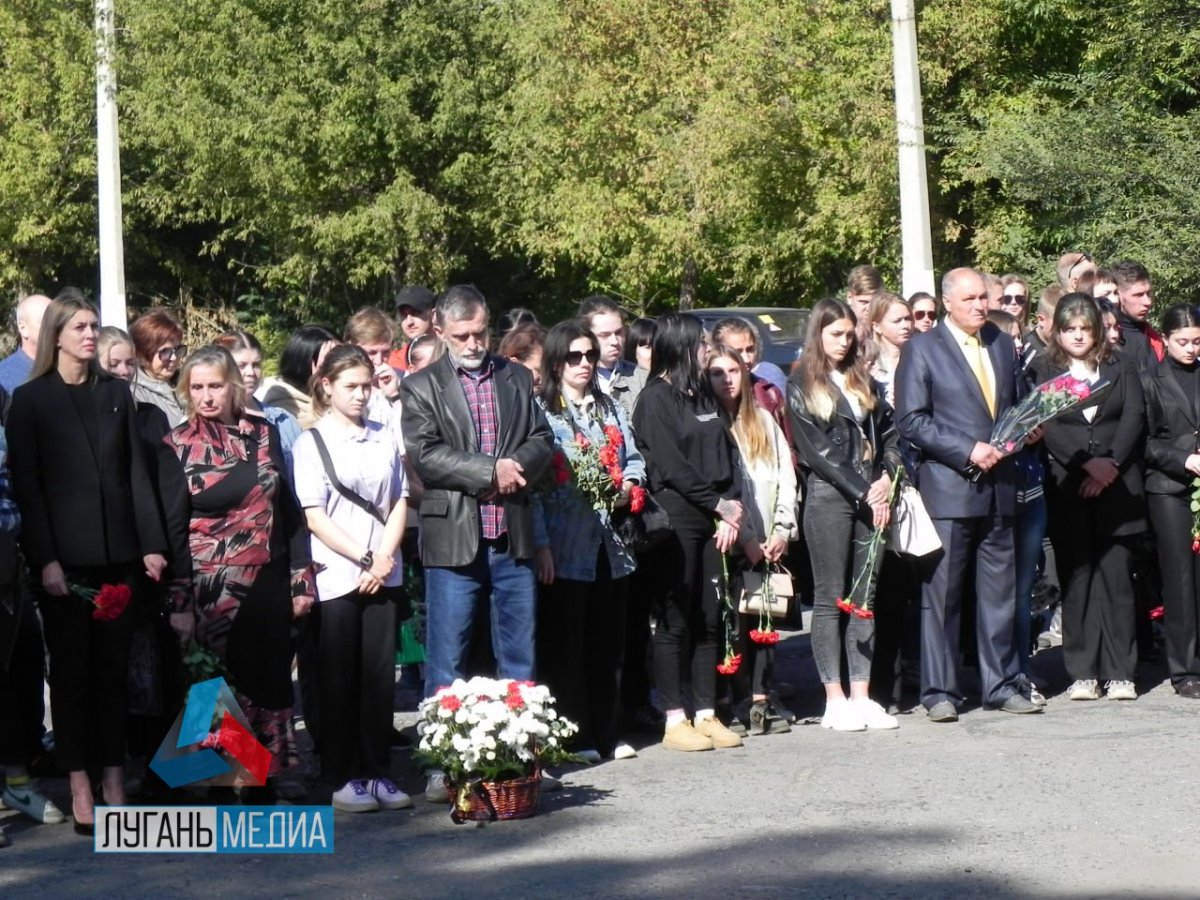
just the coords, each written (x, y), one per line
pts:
(769, 495)
(359, 586)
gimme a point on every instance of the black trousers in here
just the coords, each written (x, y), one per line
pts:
(636, 680)
(580, 644)
(1180, 569)
(896, 608)
(1097, 606)
(89, 662)
(988, 541)
(356, 665)
(686, 606)
(22, 701)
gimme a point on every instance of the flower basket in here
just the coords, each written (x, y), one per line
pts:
(491, 738)
(489, 801)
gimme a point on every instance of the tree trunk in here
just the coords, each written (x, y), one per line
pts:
(687, 286)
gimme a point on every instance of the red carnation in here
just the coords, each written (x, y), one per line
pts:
(450, 702)
(764, 637)
(845, 605)
(1157, 613)
(513, 701)
(863, 613)
(613, 433)
(617, 476)
(110, 601)
(582, 441)
(608, 456)
(637, 499)
(1196, 544)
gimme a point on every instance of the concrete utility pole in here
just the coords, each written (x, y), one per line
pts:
(108, 173)
(916, 245)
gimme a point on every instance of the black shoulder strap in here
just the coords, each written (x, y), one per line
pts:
(354, 498)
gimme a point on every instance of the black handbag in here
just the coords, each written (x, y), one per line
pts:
(642, 531)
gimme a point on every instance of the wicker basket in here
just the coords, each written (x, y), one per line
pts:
(488, 801)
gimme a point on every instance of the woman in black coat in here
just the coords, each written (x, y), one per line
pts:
(1172, 470)
(849, 453)
(1095, 501)
(89, 519)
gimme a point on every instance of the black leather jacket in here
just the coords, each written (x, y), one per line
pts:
(833, 450)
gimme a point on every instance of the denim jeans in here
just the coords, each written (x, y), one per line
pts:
(1028, 533)
(450, 598)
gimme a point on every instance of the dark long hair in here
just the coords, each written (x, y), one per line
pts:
(300, 355)
(1181, 315)
(639, 332)
(676, 340)
(1070, 307)
(554, 352)
(820, 393)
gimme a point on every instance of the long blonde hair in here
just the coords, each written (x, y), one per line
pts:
(747, 425)
(820, 393)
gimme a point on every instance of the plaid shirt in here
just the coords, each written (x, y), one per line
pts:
(481, 400)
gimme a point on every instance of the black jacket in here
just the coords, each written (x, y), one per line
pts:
(1118, 432)
(833, 450)
(1174, 433)
(439, 437)
(81, 504)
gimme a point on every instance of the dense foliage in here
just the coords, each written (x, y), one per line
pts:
(292, 159)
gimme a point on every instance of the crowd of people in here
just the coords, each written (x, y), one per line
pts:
(269, 524)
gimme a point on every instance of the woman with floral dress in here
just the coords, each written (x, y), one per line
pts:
(241, 566)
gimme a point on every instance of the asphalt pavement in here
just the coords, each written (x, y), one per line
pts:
(1091, 799)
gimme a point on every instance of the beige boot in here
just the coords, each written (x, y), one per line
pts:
(716, 732)
(682, 736)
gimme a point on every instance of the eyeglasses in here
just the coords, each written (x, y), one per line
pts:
(1083, 258)
(1018, 299)
(919, 314)
(575, 357)
(166, 354)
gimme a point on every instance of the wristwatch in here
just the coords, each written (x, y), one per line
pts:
(368, 559)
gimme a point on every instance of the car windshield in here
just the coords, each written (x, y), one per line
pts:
(783, 324)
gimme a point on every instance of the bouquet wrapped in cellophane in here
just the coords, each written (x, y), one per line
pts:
(1045, 402)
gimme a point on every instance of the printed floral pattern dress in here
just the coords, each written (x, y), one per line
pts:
(240, 556)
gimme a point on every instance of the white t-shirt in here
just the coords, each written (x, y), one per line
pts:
(367, 461)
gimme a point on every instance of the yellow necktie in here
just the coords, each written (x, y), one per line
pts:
(975, 356)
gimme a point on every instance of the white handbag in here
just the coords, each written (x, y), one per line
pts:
(770, 594)
(912, 532)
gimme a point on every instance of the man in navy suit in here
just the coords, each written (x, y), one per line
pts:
(951, 385)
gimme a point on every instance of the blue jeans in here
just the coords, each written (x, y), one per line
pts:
(450, 598)
(1030, 528)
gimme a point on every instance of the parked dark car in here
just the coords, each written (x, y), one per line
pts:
(780, 329)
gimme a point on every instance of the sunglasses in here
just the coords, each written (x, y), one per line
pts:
(919, 314)
(1018, 299)
(575, 357)
(166, 354)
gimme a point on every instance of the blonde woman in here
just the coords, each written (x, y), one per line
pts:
(769, 486)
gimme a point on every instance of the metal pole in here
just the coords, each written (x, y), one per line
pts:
(108, 173)
(916, 245)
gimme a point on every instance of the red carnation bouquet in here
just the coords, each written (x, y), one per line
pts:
(109, 600)
(596, 470)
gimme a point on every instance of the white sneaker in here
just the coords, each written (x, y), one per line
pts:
(23, 798)
(874, 716)
(1084, 689)
(1121, 690)
(842, 715)
(387, 795)
(354, 797)
(623, 751)
(435, 787)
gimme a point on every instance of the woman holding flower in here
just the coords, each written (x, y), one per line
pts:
(1172, 477)
(769, 483)
(240, 561)
(848, 450)
(1095, 501)
(692, 471)
(581, 563)
(89, 520)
